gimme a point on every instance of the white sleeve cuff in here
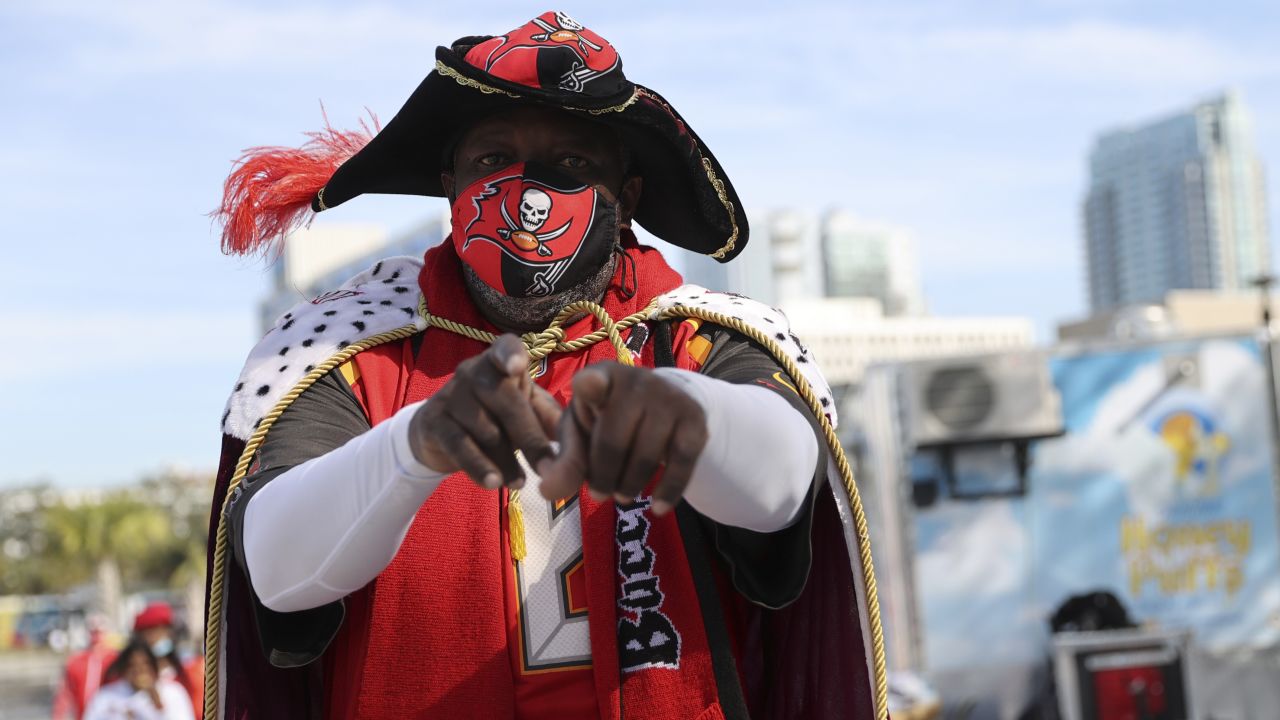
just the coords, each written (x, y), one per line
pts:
(406, 462)
(325, 528)
(760, 456)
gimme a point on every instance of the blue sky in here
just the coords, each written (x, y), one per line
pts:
(968, 122)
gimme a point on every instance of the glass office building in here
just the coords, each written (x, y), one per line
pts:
(1175, 204)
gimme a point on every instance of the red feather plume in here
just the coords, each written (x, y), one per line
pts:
(269, 192)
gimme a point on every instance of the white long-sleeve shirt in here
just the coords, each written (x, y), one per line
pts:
(343, 515)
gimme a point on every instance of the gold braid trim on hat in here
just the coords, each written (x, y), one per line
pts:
(718, 184)
(635, 95)
(491, 90)
(468, 82)
(320, 200)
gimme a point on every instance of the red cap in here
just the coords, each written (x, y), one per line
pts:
(157, 614)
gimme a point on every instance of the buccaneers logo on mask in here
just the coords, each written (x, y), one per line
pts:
(528, 231)
(535, 208)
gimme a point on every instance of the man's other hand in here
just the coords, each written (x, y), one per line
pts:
(622, 425)
(487, 411)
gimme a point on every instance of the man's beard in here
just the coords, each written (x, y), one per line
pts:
(529, 314)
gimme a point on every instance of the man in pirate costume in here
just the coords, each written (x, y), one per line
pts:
(531, 474)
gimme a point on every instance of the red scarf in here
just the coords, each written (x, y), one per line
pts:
(427, 638)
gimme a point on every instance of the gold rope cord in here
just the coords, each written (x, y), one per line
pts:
(552, 340)
(487, 89)
(541, 345)
(879, 668)
(213, 619)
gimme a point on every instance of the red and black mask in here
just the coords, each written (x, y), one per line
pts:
(529, 231)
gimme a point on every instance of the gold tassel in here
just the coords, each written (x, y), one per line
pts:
(515, 526)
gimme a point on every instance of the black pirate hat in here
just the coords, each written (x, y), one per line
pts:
(551, 61)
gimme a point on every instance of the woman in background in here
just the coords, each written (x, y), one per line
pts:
(137, 691)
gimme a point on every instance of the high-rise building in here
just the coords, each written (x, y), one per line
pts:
(1175, 204)
(782, 262)
(795, 256)
(851, 289)
(871, 260)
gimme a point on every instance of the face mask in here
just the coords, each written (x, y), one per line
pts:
(529, 231)
(162, 647)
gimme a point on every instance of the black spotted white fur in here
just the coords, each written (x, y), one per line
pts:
(385, 297)
(382, 298)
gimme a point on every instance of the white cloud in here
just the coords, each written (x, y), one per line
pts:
(141, 37)
(972, 130)
(969, 66)
(1096, 51)
(985, 555)
(966, 123)
(973, 581)
(1118, 441)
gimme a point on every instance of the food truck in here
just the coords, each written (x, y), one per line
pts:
(1083, 532)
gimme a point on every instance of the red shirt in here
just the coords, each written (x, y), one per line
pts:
(81, 680)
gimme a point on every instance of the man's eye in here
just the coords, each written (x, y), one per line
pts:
(573, 162)
(492, 160)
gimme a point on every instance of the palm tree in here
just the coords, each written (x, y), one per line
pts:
(113, 542)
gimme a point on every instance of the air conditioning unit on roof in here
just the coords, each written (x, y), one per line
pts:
(981, 399)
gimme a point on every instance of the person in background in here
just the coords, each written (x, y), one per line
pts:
(140, 692)
(155, 627)
(193, 670)
(83, 674)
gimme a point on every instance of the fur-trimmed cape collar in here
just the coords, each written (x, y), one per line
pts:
(385, 297)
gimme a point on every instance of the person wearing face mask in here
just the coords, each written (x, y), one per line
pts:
(155, 627)
(531, 474)
(137, 689)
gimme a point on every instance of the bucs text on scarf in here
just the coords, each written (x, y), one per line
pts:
(646, 636)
